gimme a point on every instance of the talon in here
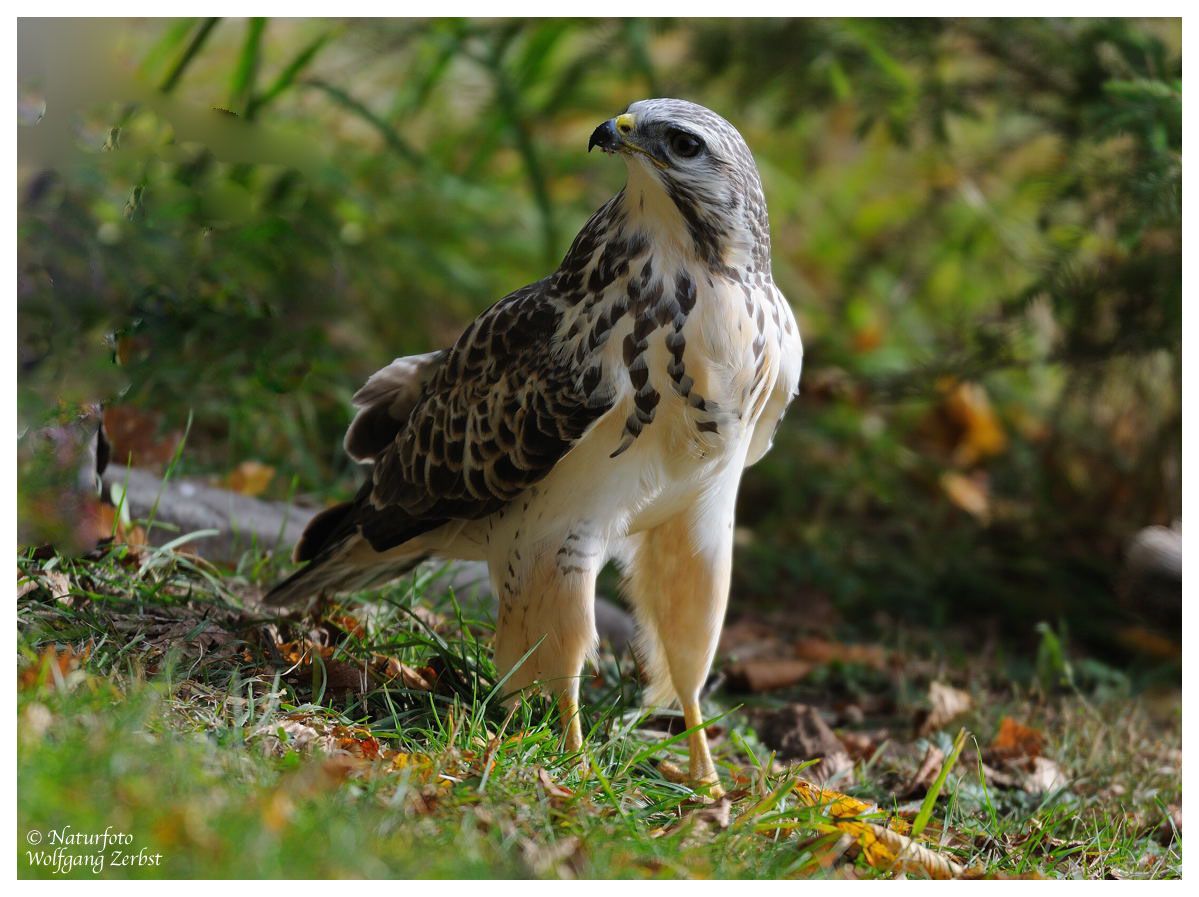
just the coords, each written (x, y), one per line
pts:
(672, 773)
(709, 785)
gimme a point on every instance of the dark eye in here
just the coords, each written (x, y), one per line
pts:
(685, 145)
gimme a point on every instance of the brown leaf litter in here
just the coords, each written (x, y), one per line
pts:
(924, 777)
(1014, 760)
(946, 704)
(798, 733)
(53, 665)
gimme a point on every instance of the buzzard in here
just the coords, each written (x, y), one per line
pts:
(603, 412)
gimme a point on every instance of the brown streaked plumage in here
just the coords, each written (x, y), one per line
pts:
(604, 412)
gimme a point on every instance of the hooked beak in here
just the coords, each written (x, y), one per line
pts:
(614, 136)
(606, 138)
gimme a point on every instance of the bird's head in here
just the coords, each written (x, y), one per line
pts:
(690, 167)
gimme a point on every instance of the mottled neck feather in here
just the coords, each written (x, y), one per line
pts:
(721, 233)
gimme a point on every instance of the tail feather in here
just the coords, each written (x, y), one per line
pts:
(334, 573)
(320, 531)
(323, 545)
(352, 546)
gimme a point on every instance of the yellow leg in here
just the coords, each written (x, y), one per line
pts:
(572, 729)
(702, 772)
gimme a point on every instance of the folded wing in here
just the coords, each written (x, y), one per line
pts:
(459, 433)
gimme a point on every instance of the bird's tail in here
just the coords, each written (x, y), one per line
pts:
(340, 559)
(331, 574)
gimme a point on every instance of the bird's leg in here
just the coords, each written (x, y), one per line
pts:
(572, 729)
(547, 611)
(701, 771)
(679, 585)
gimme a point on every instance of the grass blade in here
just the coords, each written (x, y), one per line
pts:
(288, 76)
(241, 86)
(164, 47)
(197, 42)
(930, 799)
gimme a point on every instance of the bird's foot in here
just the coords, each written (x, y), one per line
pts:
(671, 772)
(704, 785)
(708, 785)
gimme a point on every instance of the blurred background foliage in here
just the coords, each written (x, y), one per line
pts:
(229, 224)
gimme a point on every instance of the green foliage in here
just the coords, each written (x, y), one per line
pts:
(1005, 210)
(1053, 666)
(990, 202)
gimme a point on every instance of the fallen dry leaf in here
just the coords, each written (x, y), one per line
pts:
(57, 583)
(750, 639)
(979, 433)
(553, 790)
(945, 704)
(51, 660)
(348, 623)
(357, 743)
(998, 778)
(305, 733)
(861, 746)
(422, 679)
(977, 873)
(705, 818)
(765, 675)
(919, 784)
(1045, 776)
(288, 734)
(798, 732)
(970, 492)
(358, 675)
(250, 477)
(826, 849)
(1014, 760)
(1015, 741)
(353, 750)
(822, 651)
(342, 676)
(430, 618)
(881, 845)
(562, 859)
(715, 816)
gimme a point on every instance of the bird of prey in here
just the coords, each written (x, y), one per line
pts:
(604, 412)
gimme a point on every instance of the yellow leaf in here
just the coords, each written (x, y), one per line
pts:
(882, 847)
(250, 477)
(981, 434)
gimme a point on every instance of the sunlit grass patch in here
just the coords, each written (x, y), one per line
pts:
(376, 741)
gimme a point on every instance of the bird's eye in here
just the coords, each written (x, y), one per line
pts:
(684, 145)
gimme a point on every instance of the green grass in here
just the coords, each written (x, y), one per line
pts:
(161, 733)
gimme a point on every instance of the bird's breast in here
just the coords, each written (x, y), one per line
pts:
(690, 359)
